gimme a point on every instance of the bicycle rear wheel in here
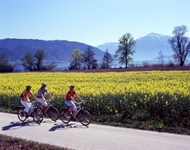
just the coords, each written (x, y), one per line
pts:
(22, 115)
(38, 116)
(84, 117)
(53, 113)
(64, 116)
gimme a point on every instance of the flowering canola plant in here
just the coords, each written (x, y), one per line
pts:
(108, 92)
(147, 82)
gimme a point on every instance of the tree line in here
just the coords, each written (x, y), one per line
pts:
(180, 45)
(86, 60)
(80, 60)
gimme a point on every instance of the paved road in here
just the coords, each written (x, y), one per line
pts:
(94, 137)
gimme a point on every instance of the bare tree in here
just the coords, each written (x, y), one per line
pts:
(39, 57)
(28, 62)
(180, 44)
(36, 62)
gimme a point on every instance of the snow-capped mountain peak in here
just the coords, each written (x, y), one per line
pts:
(154, 34)
(146, 47)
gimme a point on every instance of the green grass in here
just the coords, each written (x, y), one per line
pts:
(153, 125)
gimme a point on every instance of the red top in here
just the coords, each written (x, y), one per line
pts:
(26, 95)
(69, 94)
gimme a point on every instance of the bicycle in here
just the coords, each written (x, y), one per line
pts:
(82, 115)
(50, 111)
(34, 112)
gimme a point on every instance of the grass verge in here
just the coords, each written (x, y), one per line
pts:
(149, 127)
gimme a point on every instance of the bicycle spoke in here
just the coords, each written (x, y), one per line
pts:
(53, 113)
(38, 116)
(22, 115)
(84, 117)
(65, 118)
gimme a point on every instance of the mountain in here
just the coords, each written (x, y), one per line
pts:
(149, 46)
(146, 49)
(110, 46)
(57, 50)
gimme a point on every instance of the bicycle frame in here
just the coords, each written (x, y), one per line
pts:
(79, 108)
(32, 108)
(34, 112)
(47, 108)
(83, 116)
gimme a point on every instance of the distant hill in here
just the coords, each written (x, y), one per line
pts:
(110, 46)
(57, 50)
(147, 47)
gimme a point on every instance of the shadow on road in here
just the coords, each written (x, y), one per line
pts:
(16, 125)
(67, 126)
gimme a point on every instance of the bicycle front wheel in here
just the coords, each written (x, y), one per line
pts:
(53, 113)
(38, 116)
(64, 117)
(22, 115)
(84, 117)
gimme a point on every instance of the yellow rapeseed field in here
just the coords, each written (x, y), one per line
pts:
(144, 96)
(147, 82)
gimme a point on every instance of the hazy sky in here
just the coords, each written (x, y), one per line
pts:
(92, 22)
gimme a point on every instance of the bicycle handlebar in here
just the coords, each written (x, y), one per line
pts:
(49, 100)
(79, 103)
(35, 102)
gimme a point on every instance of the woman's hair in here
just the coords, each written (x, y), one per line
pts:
(72, 86)
(43, 85)
(28, 87)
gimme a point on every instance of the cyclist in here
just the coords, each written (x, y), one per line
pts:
(69, 100)
(40, 95)
(25, 101)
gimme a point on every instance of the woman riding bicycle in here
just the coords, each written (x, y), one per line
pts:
(25, 101)
(41, 97)
(69, 100)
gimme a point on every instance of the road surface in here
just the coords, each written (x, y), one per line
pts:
(94, 137)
